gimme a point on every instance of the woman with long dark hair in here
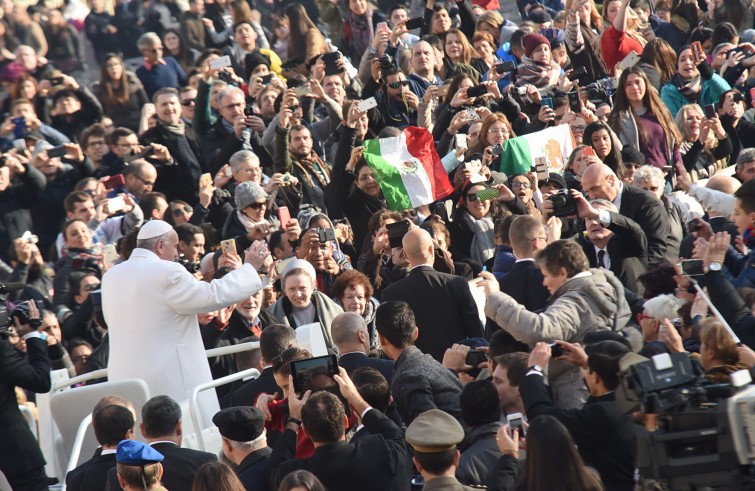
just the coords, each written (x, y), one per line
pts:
(640, 119)
(694, 82)
(120, 92)
(216, 476)
(606, 146)
(301, 480)
(305, 42)
(549, 446)
(178, 49)
(658, 60)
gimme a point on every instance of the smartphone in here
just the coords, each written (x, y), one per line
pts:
(461, 140)
(574, 103)
(629, 61)
(326, 235)
(19, 127)
(487, 194)
(280, 266)
(110, 254)
(56, 81)
(415, 23)
(497, 149)
(556, 350)
(577, 73)
(228, 247)
(330, 59)
(314, 373)
(57, 152)
(382, 26)
(367, 104)
(266, 79)
(221, 62)
(229, 171)
(502, 68)
(205, 180)
(284, 216)
(588, 152)
(697, 49)
(547, 101)
(710, 111)
(541, 168)
(114, 205)
(693, 267)
(115, 181)
(477, 90)
(475, 357)
(443, 90)
(301, 90)
(396, 232)
(693, 226)
(146, 152)
(248, 111)
(19, 144)
(516, 422)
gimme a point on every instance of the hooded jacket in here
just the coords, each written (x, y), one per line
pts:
(589, 301)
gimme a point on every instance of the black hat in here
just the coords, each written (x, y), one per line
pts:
(553, 178)
(631, 154)
(240, 424)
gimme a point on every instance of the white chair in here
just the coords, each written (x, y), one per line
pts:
(71, 407)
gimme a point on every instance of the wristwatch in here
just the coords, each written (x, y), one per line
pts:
(297, 422)
(714, 266)
(535, 369)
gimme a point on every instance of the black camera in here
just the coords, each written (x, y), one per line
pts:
(387, 62)
(21, 312)
(563, 204)
(225, 77)
(191, 267)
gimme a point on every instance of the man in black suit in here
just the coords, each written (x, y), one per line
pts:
(112, 424)
(245, 444)
(21, 459)
(621, 246)
(524, 282)
(339, 465)
(600, 182)
(442, 303)
(161, 426)
(603, 433)
(352, 338)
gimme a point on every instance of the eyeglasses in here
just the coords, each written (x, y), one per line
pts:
(642, 315)
(473, 197)
(177, 212)
(580, 128)
(517, 184)
(79, 358)
(257, 206)
(188, 102)
(399, 84)
(91, 287)
(146, 182)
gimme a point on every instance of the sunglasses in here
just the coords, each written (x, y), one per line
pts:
(91, 287)
(398, 85)
(187, 102)
(473, 197)
(257, 206)
(177, 212)
(79, 358)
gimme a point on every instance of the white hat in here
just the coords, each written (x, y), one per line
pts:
(153, 228)
(299, 264)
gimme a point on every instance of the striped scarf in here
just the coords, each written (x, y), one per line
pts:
(314, 166)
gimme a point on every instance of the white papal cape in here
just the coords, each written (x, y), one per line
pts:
(151, 308)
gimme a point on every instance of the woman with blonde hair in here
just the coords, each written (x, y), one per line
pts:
(622, 33)
(705, 147)
(460, 52)
(305, 41)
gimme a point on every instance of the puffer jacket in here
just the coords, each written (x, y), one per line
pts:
(587, 302)
(480, 458)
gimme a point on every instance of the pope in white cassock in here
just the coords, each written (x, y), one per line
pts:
(151, 302)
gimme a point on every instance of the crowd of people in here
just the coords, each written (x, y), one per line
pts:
(179, 175)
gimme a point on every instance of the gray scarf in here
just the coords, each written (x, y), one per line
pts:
(483, 243)
(176, 129)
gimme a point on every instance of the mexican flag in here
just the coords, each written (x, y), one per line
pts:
(408, 169)
(555, 144)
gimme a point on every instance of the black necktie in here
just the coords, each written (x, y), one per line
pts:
(601, 259)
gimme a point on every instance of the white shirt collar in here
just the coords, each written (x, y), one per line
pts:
(525, 259)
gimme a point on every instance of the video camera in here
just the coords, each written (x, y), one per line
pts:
(704, 432)
(6, 315)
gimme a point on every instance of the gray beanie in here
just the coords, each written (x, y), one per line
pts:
(248, 193)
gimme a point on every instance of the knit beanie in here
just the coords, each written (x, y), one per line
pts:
(248, 193)
(532, 41)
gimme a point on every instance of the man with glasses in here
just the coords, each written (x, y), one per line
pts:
(232, 131)
(622, 247)
(94, 144)
(188, 96)
(397, 104)
(178, 176)
(582, 300)
(157, 72)
(600, 182)
(140, 177)
(121, 141)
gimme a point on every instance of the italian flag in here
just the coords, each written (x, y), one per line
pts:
(555, 144)
(408, 169)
